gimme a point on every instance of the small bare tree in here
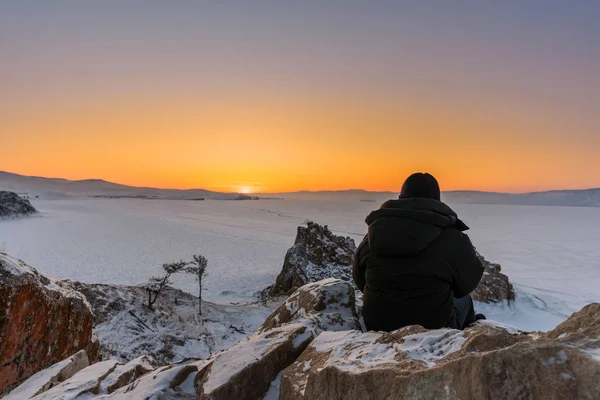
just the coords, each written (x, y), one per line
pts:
(198, 268)
(157, 283)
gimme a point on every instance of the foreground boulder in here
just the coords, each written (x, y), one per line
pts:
(41, 323)
(12, 205)
(317, 254)
(50, 377)
(74, 378)
(483, 362)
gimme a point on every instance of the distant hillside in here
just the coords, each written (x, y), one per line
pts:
(573, 198)
(58, 188)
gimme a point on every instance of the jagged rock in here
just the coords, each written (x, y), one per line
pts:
(12, 205)
(73, 378)
(247, 369)
(50, 377)
(482, 362)
(126, 374)
(174, 381)
(494, 286)
(317, 254)
(83, 384)
(41, 323)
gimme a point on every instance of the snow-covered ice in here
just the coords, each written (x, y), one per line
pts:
(550, 253)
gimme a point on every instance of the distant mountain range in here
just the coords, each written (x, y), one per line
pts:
(58, 188)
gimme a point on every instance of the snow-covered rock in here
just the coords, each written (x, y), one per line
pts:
(84, 384)
(41, 322)
(73, 378)
(482, 362)
(317, 254)
(312, 348)
(50, 377)
(13, 205)
(172, 330)
(125, 374)
(244, 371)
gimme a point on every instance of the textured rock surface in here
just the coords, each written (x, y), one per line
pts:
(50, 377)
(317, 254)
(73, 378)
(311, 347)
(482, 362)
(494, 286)
(84, 384)
(125, 374)
(12, 205)
(40, 322)
(245, 371)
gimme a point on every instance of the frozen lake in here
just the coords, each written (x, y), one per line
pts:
(551, 254)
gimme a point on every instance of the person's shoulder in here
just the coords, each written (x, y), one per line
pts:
(454, 234)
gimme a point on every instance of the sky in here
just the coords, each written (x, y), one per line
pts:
(269, 96)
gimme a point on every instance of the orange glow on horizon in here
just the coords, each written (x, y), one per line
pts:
(281, 145)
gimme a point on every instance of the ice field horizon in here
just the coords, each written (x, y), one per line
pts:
(549, 253)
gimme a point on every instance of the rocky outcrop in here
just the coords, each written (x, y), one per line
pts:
(494, 286)
(41, 323)
(75, 378)
(244, 371)
(50, 377)
(311, 347)
(317, 254)
(12, 205)
(482, 362)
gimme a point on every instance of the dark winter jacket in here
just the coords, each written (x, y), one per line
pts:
(413, 261)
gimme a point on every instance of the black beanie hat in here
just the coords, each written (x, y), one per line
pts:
(420, 185)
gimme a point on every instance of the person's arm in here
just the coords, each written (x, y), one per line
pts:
(359, 264)
(467, 268)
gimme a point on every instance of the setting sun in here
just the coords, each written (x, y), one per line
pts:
(245, 190)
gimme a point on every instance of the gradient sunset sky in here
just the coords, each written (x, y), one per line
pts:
(282, 96)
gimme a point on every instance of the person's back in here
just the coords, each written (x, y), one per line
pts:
(415, 260)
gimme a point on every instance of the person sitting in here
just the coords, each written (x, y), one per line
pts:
(415, 266)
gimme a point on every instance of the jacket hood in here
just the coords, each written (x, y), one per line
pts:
(406, 227)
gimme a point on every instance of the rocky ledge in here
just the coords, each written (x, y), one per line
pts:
(312, 347)
(12, 205)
